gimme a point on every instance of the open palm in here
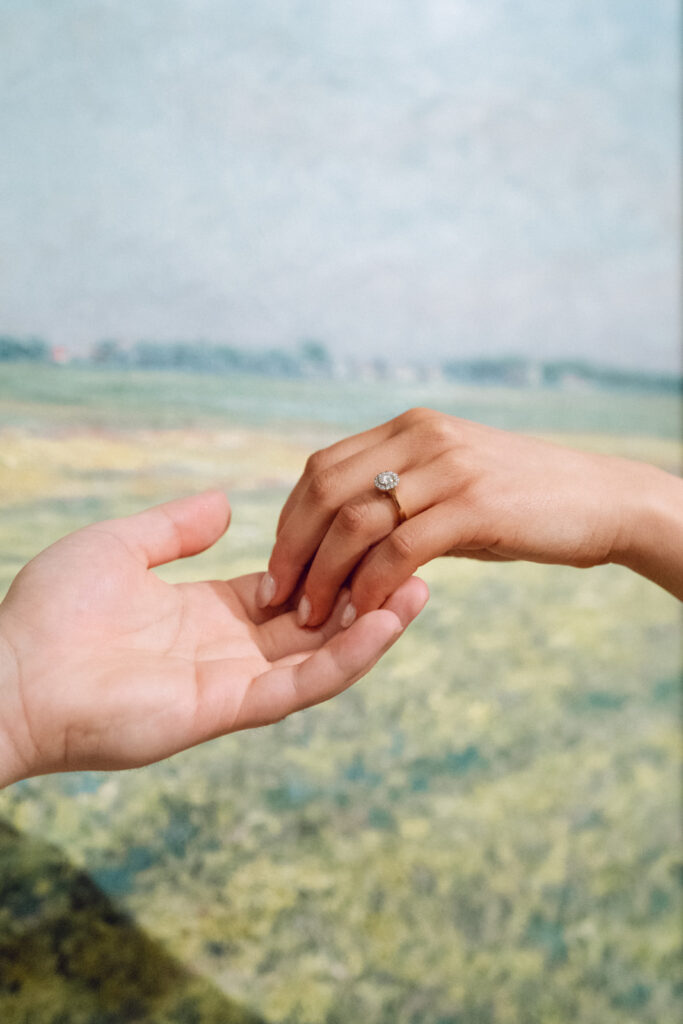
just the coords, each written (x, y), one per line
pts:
(110, 667)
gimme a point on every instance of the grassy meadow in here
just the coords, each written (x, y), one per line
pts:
(485, 830)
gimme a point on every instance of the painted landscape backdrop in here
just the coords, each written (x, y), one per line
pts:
(486, 830)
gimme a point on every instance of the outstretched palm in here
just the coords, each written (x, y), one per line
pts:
(115, 668)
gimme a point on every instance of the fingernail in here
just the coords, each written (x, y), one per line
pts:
(303, 612)
(348, 616)
(266, 590)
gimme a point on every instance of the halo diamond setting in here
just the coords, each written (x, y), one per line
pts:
(386, 481)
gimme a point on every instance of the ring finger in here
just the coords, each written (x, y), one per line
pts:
(358, 525)
(311, 518)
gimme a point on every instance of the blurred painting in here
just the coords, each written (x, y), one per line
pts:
(233, 233)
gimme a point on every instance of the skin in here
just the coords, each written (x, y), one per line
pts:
(471, 491)
(103, 665)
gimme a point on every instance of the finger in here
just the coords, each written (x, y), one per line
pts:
(175, 529)
(358, 526)
(445, 526)
(328, 671)
(350, 655)
(246, 589)
(289, 644)
(408, 601)
(282, 635)
(325, 494)
(326, 457)
(480, 555)
(227, 702)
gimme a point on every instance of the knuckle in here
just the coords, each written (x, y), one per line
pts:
(322, 486)
(439, 431)
(452, 465)
(433, 428)
(352, 518)
(415, 416)
(315, 463)
(401, 546)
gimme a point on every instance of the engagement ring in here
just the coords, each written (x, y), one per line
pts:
(387, 482)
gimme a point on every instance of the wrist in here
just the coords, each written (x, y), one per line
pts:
(652, 541)
(13, 765)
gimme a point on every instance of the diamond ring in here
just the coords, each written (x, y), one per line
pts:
(387, 482)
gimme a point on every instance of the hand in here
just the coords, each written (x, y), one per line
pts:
(103, 665)
(468, 490)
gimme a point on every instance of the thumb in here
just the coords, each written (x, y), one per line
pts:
(175, 529)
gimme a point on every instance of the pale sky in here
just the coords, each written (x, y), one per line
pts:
(448, 177)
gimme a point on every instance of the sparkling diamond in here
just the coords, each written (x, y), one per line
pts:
(386, 481)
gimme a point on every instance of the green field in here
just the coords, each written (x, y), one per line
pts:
(36, 397)
(485, 830)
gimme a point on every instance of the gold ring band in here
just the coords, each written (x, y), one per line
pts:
(394, 497)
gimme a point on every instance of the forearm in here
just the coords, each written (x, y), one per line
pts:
(653, 540)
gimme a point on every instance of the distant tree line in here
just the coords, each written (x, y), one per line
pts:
(517, 371)
(34, 350)
(312, 358)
